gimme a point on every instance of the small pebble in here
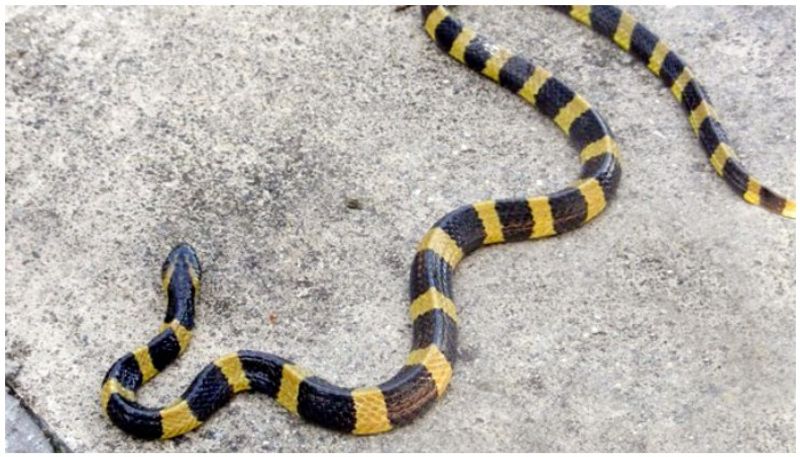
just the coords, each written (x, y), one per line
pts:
(353, 203)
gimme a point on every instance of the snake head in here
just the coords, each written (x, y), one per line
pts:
(182, 268)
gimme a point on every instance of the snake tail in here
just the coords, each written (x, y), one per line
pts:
(428, 368)
(635, 38)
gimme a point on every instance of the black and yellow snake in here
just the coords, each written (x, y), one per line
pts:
(429, 367)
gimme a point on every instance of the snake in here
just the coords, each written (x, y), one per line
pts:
(428, 368)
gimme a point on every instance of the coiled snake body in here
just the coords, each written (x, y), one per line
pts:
(428, 368)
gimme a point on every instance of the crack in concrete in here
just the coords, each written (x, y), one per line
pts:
(53, 440)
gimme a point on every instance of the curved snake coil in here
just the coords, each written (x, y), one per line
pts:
(429, 367)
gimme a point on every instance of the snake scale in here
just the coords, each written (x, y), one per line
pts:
(429, 367)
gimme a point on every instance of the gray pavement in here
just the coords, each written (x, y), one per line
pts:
(666, 325)
(23, 434)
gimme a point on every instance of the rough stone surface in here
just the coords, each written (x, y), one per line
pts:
(305, 151)
(22, 432)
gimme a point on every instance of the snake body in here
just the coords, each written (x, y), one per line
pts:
(429, 366)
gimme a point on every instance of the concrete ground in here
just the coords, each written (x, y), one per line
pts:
(23, 434)
(666, 325)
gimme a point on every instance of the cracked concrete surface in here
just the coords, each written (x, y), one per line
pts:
(666, 325)
(23, 434)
